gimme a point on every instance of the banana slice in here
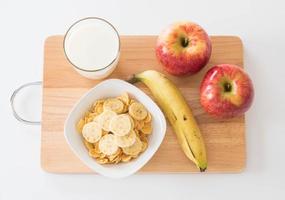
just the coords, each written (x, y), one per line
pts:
(121, 125)
(105, 118)
(92, 132)
(113, 157)
(148, 118)
(132, 121)
(127, 140)
(107, 145)
(96, 119)
(132, 101)
(125, 98)
(114, 104)
(135, 149)
(115, 129)
(147, 128)
(137, 111)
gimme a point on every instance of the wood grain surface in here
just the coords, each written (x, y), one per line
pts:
(62, 87)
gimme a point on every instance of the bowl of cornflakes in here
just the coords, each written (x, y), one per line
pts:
(115, 128)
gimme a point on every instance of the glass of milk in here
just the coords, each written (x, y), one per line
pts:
(92, 46)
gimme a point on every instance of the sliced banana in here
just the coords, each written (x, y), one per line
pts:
(135, 149)
(121, 125)
(114, 104)
(125, 98)
(96, 119)
(148, 118)
(114, 156)
(107, 145)
(137, 111)
(132, 101)
(147, 128)
(116, 129)
(105, 118)
(127, 140)
(132, 121)
(92, 132)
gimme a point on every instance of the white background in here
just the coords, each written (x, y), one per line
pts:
(260, 24)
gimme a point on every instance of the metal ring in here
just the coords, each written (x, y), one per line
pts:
(12, 98)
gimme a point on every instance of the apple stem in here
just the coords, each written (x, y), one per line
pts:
(184, 42)
(227, 87)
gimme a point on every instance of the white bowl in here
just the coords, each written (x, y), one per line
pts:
(112, 88)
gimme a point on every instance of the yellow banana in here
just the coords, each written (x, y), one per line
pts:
(179, 114)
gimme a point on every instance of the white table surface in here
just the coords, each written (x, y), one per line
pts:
(260, 24)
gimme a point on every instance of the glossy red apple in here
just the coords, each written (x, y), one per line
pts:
(183, 48)
(226, 91)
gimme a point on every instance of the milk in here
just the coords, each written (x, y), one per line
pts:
(92, 47)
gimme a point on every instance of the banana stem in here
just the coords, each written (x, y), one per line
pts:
(132, 79)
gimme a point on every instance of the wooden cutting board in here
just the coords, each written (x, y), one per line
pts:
(62, 87)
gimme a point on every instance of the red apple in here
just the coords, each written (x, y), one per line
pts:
(183, 48)
(226, 91)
